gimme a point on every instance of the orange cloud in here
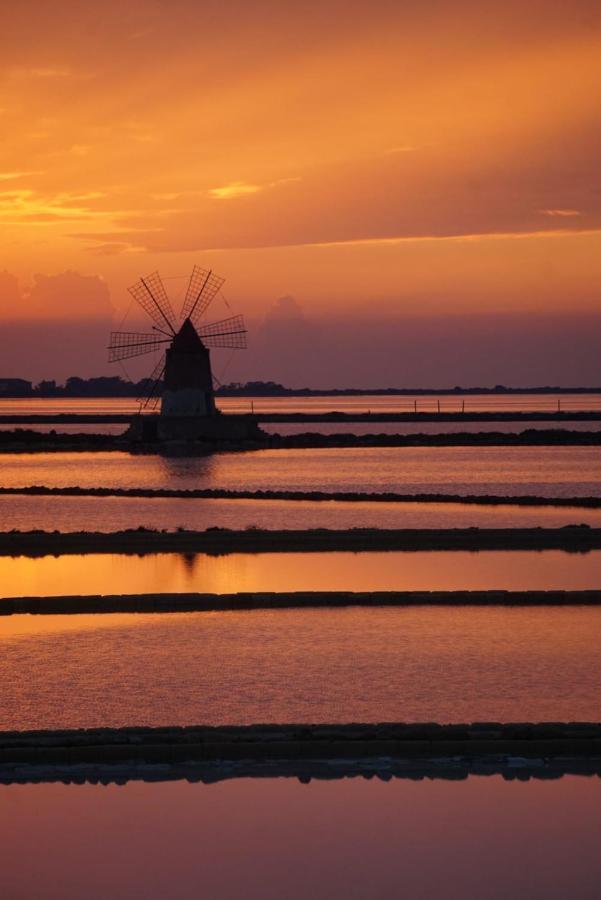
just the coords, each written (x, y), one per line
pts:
(235, 189)
(561, 213)
(338, 150)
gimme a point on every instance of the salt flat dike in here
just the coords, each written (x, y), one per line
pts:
(313, 496)
(212, 753)
(576, 538)
(24, 441)
(76, 604)
(21, 419)
(446, 768)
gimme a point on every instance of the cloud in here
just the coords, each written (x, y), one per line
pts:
(402, 149)
(11, 176)
(39, 72)
(235, 189)
(69, 294)
(422, 351)
(286, 342)
(561, 213)
(241, 188)
(113, 248)
(285, 309)
(25, 206)
(394, 197)
(10, 293)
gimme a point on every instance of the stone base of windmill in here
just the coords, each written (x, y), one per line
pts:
(212, 429)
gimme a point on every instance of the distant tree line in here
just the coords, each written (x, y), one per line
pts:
(273, 389)
(113, 386)
(116, 386)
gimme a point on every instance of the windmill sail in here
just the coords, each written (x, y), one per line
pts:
(228, 333)
(127, 344)
(182, 376)
(150, 293)
(203, 286)
(152, 395)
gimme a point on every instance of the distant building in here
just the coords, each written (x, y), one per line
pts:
(15, 387)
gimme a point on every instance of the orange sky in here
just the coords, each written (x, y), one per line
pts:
(395, 159)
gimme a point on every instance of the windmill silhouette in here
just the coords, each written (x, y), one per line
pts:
(184, 368)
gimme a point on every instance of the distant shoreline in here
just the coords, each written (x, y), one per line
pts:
(166, 603)
(89, 390)
(28, 441)
(40, 755)
(222, 541)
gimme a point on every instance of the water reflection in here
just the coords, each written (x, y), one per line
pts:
(489, 839)
(548, 402)
(441, 664)
(97, 573)
(284, 428)
(546, 471)
(26, 513)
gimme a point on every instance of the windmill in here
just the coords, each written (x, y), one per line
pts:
(185, 366)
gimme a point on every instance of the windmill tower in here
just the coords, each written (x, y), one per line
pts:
(188, 404)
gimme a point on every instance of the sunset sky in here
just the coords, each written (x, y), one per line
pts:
(420, 182)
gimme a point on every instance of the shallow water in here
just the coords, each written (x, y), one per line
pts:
(271, 839)
(346, 427)
(343, 571)
(27, 513)
(548, 471)
(318, 665)
(326, 403)
(422, 427)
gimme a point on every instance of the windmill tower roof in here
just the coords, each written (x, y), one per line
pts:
(187, 340)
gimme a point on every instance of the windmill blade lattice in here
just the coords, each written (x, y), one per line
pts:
(226, 334)
(127, 344)
(202, 288)
(150, 293)
(151, 396)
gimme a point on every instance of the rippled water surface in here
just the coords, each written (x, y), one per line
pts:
(272, 839)
(344, 571)
(346, 427)
(548, 471)
(419, 427)
(414, 664)
(326, 403)
(27, 513)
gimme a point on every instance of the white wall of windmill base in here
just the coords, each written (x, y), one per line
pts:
(187, 402)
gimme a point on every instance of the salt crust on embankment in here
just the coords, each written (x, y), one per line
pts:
(173, 745)
(199, 602)
(574, 538)
(314, 496)
(555, 416)
(449, 768)
(38, 442)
